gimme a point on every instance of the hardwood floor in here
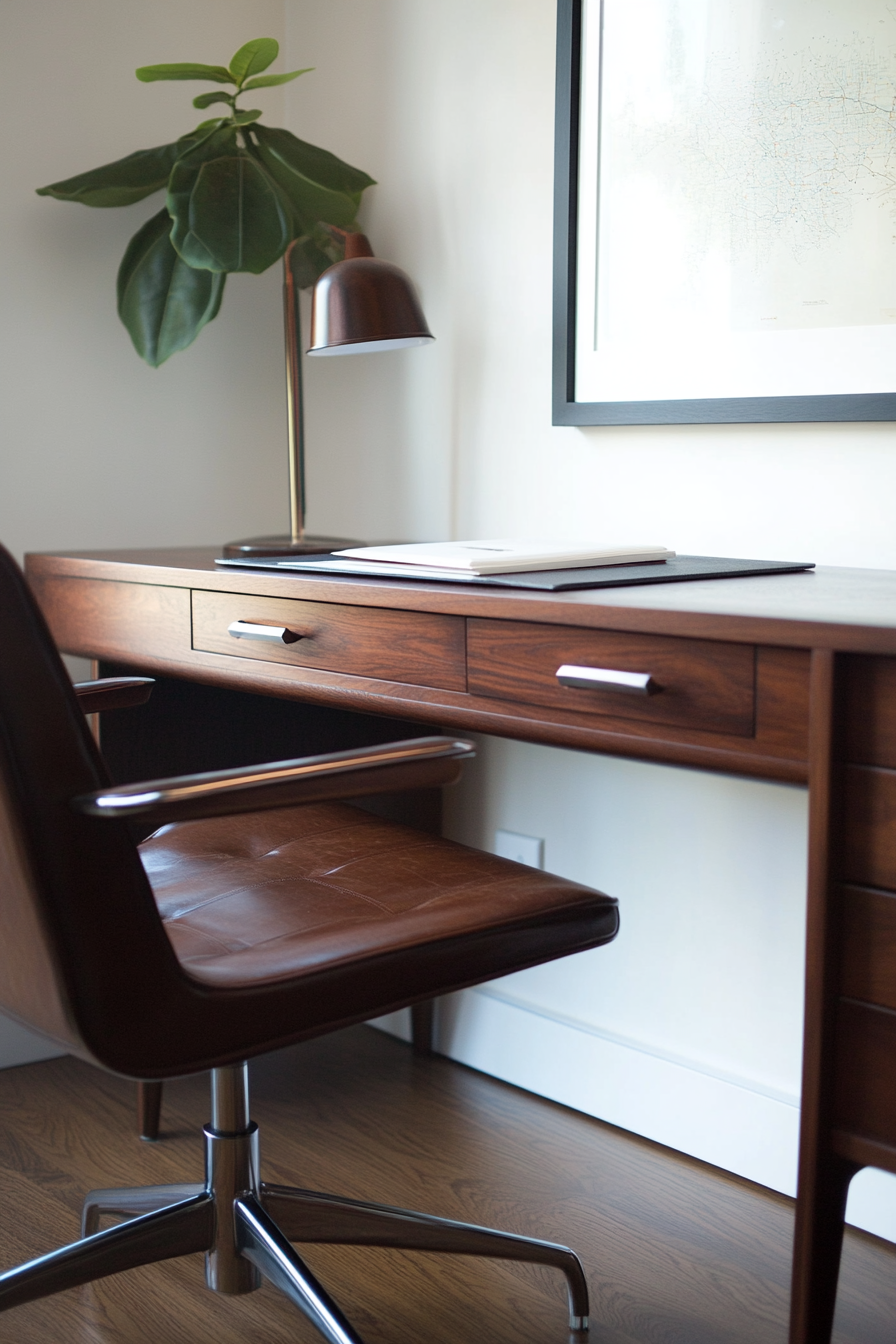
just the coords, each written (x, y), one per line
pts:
(676, 1252)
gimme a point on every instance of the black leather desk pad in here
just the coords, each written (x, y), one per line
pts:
(678, 570)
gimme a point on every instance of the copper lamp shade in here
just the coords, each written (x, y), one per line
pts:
(363, 304)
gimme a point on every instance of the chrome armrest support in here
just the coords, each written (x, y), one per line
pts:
(421, 762)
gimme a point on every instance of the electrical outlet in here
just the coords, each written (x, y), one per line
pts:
(521, 848)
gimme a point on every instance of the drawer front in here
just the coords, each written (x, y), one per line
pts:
(868, 946)
(123, 622)
(871, 711)
(414, 647)
(700, 684)
(869, 851)
(865, 1071)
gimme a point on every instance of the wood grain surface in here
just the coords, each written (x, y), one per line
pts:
(868, 968)
(676, 1252)
(702, 684)
(146, 625)
(871, 711)
(846, 609)
(870, 826)
(782, 701)
(865, 1072)
(819, 1212)
(416, 647)
(119, 621)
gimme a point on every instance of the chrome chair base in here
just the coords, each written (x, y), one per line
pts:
(247, 1228)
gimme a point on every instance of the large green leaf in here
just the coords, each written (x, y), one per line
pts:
(228, 214)
(119, 183)
(213, 140)
(309, 200)
(216, 96)
(184, 70)
(318, 165)
(201, 135)
(268, 81)
(163, 302)
(254, 57)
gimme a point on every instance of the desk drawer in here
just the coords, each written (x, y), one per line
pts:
(701, 684)
(871, 710)
(413, 647)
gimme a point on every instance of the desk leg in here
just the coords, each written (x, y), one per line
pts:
(817, 1244)
(823, 1177)
(422, 1025)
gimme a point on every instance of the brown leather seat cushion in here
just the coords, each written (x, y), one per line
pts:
(256, 899)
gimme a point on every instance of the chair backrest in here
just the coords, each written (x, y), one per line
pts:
(81, 943)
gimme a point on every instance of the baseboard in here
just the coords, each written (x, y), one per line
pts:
(741, 1129)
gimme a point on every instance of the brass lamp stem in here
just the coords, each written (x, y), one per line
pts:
(295, 408)
(380, 312)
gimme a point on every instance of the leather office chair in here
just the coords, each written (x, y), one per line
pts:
(238, 934)
(112, 693)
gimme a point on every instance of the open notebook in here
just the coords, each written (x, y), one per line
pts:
(502, 556)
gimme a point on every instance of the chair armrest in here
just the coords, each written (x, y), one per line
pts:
(422, 762)
(113, 693)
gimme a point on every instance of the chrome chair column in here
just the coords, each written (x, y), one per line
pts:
(231, 1171)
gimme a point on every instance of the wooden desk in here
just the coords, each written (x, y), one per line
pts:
(788, 677)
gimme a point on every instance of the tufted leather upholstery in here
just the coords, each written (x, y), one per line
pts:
(259, 899)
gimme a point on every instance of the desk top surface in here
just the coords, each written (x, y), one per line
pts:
(849, 609)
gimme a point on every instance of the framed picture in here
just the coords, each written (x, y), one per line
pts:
(725, 211)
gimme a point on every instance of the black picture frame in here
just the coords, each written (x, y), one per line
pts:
(851, 407)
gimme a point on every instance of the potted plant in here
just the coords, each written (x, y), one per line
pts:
(238, 194)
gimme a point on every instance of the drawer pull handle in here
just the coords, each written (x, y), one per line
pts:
(607, 679)
(268, 634)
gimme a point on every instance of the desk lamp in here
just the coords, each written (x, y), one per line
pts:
(359, 304)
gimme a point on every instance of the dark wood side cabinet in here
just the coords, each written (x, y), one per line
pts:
(787, 677)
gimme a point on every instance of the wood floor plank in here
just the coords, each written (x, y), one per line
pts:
(676, 1251)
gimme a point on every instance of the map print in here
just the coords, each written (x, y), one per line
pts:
(763, 136)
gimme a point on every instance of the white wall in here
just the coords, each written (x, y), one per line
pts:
(96, 448)
(688, 1028)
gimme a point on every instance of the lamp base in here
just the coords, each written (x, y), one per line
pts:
(259, 546)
